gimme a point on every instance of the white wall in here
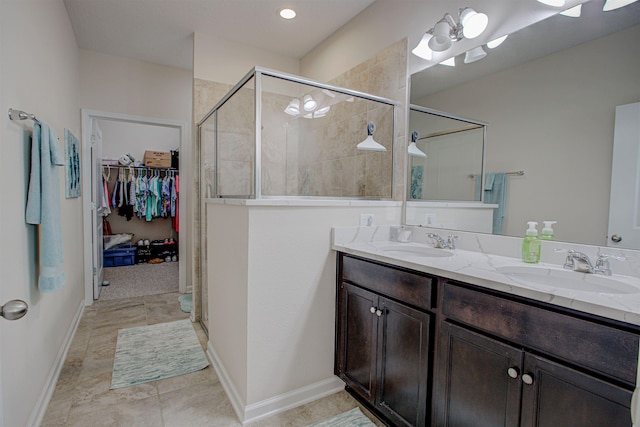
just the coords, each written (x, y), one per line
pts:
(222, 61)
(39, 74)
(271, 276)
(554, 119)
(119, 138)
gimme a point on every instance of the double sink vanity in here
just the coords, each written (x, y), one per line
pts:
(467, 335)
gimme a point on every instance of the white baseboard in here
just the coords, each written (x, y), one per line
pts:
(274, 405)
(50, 385)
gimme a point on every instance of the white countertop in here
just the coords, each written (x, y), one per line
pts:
(481, 268)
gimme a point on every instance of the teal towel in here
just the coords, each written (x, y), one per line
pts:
(495, 195)
(43, 205)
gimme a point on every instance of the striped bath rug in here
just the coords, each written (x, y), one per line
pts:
(352, 418)
(151, 353)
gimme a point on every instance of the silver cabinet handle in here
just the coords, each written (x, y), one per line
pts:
(14, 309)
(513, 372)
(372, 310)
(378, 312)
(616, 238)
(527, 379)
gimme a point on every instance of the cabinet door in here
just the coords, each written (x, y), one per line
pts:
(561, 396)
(477, 380)
(357, 339)
(403, 363)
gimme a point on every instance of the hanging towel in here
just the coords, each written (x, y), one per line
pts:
(43, 206)
(495, 195)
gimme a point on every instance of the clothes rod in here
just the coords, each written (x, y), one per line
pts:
(21, 115)
(139, 167)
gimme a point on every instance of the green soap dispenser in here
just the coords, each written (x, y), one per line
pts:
(547, 231)
(531, 244)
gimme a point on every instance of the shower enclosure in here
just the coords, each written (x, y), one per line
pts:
(279, 136)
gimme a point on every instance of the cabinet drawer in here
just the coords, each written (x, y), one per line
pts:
(410, 288)
(600, 348)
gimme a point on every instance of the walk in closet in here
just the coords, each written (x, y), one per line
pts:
(137, 197)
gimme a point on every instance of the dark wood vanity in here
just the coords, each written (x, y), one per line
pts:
(422, 350)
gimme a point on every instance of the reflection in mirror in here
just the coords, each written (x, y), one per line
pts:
(445, 188)
(454, 149)
(551, 114)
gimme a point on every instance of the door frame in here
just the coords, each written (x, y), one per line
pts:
(87, 115)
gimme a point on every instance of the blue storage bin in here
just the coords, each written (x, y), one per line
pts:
(119, 257)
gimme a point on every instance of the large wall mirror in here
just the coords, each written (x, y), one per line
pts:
(548, 95)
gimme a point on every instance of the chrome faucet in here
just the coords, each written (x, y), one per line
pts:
(578, 261)
(439, 243)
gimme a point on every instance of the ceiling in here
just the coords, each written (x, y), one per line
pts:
(160, 31)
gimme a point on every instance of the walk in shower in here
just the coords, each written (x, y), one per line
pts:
(279, 136)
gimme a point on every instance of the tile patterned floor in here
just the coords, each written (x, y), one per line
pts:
(82, 396)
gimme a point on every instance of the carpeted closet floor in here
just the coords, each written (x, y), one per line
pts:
(139, 280)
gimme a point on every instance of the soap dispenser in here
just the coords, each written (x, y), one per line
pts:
(547, 231)
(531, 244)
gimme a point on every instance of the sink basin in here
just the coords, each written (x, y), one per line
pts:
(567, 279)
(419, 251)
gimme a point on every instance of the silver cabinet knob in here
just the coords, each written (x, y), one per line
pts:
(527, 379)
(378, 312)
(616, 238)
(372, 310)
(14, 309)
(513, 372)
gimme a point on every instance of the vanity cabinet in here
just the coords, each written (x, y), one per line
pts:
(384, 345)
(420, 350)
(503, 362)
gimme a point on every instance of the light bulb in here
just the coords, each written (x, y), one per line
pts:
(473, 23)
(497, 42)
(287, 13)
(423, 50)
(309, 104)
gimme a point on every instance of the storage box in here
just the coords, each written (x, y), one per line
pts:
(158, 159)
(118, 257)
(143, 253)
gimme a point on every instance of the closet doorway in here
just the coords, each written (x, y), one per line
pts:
(107, 137)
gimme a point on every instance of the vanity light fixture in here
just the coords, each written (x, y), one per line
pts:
(308, 103)
(475, 54)
(369, 144)
(413, 148)
(423, 50)
(287, 13)
(470, 25)
(451, 62)
(554, 3)
(321, 112)
(616, 4)
(573, 12)
(293, 109)
(497, 42)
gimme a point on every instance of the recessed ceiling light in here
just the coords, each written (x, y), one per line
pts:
(287, 13)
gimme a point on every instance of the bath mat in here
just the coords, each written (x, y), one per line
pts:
(186, 302)
(352, 418)
(151, 353)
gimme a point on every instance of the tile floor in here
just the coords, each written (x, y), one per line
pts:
(82, 396)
